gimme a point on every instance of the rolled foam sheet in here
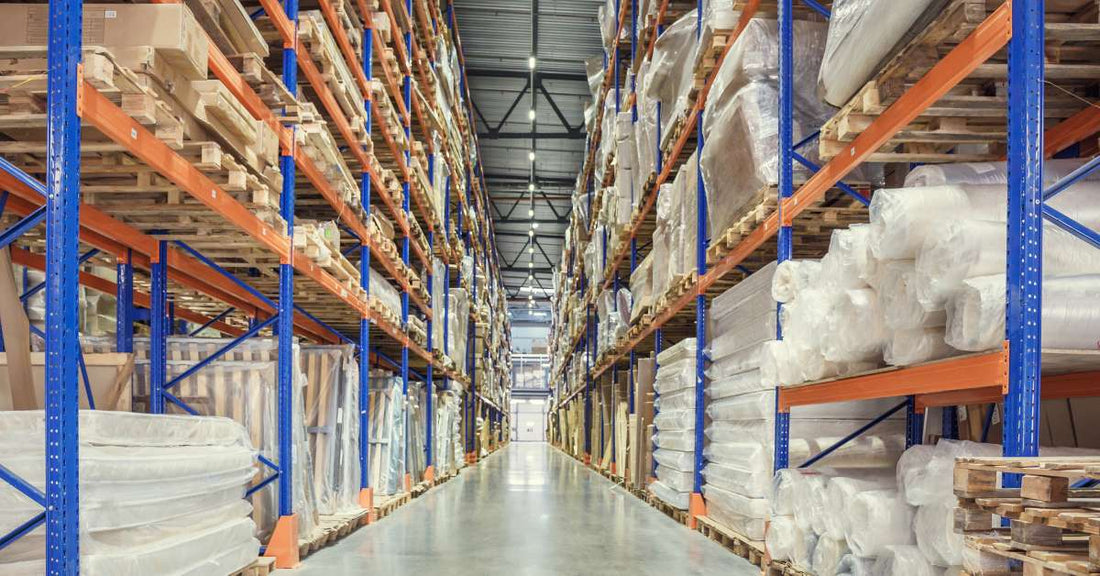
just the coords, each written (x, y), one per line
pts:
(827, 555)
(902, 560)
(908, 347)
(934, 526)
(673, 498)
(901, 307)
(1071, 313)
(901, 218)
(852, 565)
(792, 277)
(749, 381)
(976, 561)
(878, 519)
(856, 329)
(804, 493)
(785, 540)
(924, 473)
(846, 263)
(842, 489)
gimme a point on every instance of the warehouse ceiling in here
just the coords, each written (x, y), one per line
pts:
(499, 37)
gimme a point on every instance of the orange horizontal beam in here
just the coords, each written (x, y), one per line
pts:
(1071, 131)
(963, 373)
(1055, 387)
(986, 40)
(283, 24)
(118, 126)
(38, 262)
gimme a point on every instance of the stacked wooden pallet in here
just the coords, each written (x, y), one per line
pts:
(1055, 526)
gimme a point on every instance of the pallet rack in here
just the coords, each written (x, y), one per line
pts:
(206, 279)
(1012, 374)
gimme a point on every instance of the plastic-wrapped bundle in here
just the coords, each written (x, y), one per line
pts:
(792, 277)
(668, 495)
(786, 541)
(784, 487)
(908, 347)
(842, 489)
(743, 360)
(896, 287)
(934, 526)
(660, 254)
(1071, 313)
(979, 173)
(670, 72)
(761, 406)
(683, 440)
(333, 437)
(971, 248)
(856, 330)
(741, 383)
(879, 519)
(740, 121)
(678, 480)
(675, 376)
(745, 515)
(827, 555)
(675, 459)
(901, 218)
(846, 263)
(645, 129)
(756, 287)
(156, 492)
(675, 420)
(925, 473)
(852, 565)
(734, 333)
(760, 431)
(641, 286)
(459, 320)
(861, 34)
(741, 477)
(386, 294)
(805, 490)
(902, 559)
(679, 400)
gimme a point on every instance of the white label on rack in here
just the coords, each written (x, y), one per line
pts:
(133, 133)
(214, 193)
(996, 419)
(110, 14)
(340, 416)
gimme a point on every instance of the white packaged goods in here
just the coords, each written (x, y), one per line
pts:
(641, 286)
(878, 518)
(752, 481)
(668, 495)
(786, 541)
(680, 481)
(675, 421)
(331, 410)
(856, 328)
(156, 493)
(913, 346)
(792, 277)
(387, 436)
(683, 440)
(670, 72)
(847, 262)
(827, 555)
(900, 559)
(896, 287)
(842, 489)
(861, 34)
(1071, 313)
(851, 565)
(987, 173)
(740, 121)
(745, 515)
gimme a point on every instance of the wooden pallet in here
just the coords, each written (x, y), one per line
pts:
(669, 510)
(751, 550)
(261, 566)
(972, 113)
(707, 61)
(1053, 526)
(332, 529)
(390, 504)
(784, 568)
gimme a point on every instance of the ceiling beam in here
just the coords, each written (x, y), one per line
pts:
(570, 135)
(523, 74)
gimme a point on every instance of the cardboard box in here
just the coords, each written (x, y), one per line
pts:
(169, 28)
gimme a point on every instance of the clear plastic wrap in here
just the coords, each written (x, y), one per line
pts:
(675, 459)
(669, 496)
(908, 347)
(669, 420)
(676, 439)
(804, 491)
(878, 519)
(679, 400)
(896, 287)
(847, 262)
(851, 565)
(735, 333)
(748, 516)
(1071, 313)
(743, 360)
(750, 481)
(387, 435)
(786, 541)
(675, 376)
(861, 34)
(641, 286)
(925, 473)
(901, 218)
(827, 555)
(934, 526)
(156, 492)
(670, 72)
(459, 320)
(741, 383)
(740, 120)
(856, 328)
(794, 276)
(675, 479)
(331, 404)
(981, 173)
(842, 489)
(902, 559)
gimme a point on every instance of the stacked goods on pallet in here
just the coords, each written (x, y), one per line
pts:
(669, 78)
(740, 408)
(417, 430)
(741, 117)
(862, 34)
(242, 385)
(332, 408)
(387, 433)
(640, 423)
(641, 287)
(447, 431)
(675, 424)
(674, 239)
(613, 315)
(158, 494)
(459, 320)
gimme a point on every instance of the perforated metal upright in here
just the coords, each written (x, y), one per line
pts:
(366, 491)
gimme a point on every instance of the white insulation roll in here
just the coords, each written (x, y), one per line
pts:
(934, 526)
(827, 555)
(792, 277)
(878, 519)
(987, 173)
(843, 489)
(1071, 313)
(855, 327)
(851, 565)
(908, 347)
(785, 540)
(903, 560)
(847, 262)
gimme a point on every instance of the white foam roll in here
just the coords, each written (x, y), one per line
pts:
(878, 519)
(840, 492)
(804, 491)
(1071, 313)
(987, 173)
(846, 262)
(934, 526)
(856, 328)
(908, 347)
(901, 218)
(852, 565)
(901, 306)
(793, 276)
(784, 539)
(903, 561)
(827, 555)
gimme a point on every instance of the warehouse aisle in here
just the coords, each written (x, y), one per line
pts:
(529, 510)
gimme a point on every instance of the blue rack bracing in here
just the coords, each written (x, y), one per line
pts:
(216, 298)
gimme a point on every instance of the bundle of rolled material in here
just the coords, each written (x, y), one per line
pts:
(1071, 313)
(827, 555)
(794, 276)
(901, 218)
(908, 347)
(878, 519)
(907, 560)
(847, 263)
(979, 173)
(895, 283)
(842, 490)
(786, 541)
(851, 565)
(855, 327)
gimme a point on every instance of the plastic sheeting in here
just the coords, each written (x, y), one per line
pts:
(332, 408)
(1071, 313)
(982, 173)
(794, 276)
(861, 34)
(156, 492)
(670, 70)
(387, 435)
(879, 519)
(900, 559)
(827, 555)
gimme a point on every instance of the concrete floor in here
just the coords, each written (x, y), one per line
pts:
(528, 510)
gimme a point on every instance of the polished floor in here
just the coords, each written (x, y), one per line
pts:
(528, 510)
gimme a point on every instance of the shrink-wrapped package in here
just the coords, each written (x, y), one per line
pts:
(641, 286)
(827, 555)
(745, 515)
(878, 519)
(901, 306)
(979, 173)
(847, 262)
(794, 276)
(916, 345)
(902, 559)
(675, 422)
(670, 72)
(861, 34)
(852, 565)
(856, 328)
(674, 498)
(1071, 313)
(786, 541)
(842, 489)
